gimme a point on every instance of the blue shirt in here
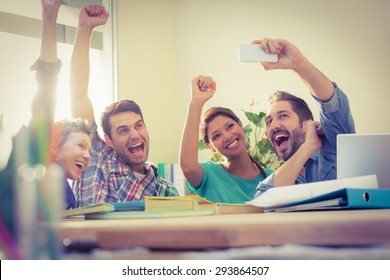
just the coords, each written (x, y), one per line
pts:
(218, 185)
(335, 118)
(70, 200)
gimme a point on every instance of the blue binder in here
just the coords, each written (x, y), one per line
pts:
(347, 198)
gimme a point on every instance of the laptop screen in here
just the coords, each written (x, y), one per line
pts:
(364, 154)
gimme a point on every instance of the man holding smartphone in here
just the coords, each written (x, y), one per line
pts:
(307, 147)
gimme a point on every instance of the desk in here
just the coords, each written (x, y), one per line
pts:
(326, 228)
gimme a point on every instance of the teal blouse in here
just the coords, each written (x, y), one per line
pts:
(218, 185)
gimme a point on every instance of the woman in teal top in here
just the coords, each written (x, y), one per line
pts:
(236, 178)
(218, 185)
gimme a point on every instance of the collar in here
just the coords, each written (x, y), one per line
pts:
(114, 164)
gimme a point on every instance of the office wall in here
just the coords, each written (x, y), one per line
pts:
(162, 45)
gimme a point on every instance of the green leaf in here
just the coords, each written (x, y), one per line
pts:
(217, 157)
(201, 145)
(252, 117)
(247, 130)
(262, 146)
(262, 115)
(262, 120)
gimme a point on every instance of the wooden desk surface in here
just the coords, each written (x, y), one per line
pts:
(345, 228)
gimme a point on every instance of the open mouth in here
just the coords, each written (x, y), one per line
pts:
(232, 145)
(80, 165)
(281, 139)
(136, 148)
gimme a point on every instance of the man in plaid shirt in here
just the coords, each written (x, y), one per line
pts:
(119, 170)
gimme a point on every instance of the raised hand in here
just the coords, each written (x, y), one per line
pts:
(93, 15)
(314, 135)
(288, 54)
(51, 5)
(203, 88)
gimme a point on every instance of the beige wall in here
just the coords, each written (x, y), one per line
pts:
(162, 44)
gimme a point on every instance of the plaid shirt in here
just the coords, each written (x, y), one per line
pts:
(109, 179)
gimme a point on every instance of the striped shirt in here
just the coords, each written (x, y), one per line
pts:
(109, 179)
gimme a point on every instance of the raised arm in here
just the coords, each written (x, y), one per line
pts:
(290, 57)
(203, 88)
(90, 16)
(287, 174)
(47, 68)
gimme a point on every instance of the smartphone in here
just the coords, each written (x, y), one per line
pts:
(254, 53)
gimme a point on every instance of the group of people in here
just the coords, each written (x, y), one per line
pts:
(116, 168)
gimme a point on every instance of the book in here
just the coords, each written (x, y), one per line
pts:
(104, 208)
(222, 208)
(290, 194)
(153, 203)
(96, 208)
(150, 214)
(348, 198)
(157, 203)
(129, 206)
(236, 208)
(163, 203)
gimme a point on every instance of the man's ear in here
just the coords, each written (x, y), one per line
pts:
(108, 140)
(304, 126)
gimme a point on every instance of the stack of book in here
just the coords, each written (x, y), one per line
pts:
(350, 193)
(197, 202)
(159, 207)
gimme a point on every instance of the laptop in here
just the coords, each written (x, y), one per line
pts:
(364, 154)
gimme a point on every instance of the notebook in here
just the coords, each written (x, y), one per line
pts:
(364, 154)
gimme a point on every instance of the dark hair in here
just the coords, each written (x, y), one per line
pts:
(298, 105)
(115, 108)
(63, 128)
(210, 115)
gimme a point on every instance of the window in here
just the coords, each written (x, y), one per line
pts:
(20, 34)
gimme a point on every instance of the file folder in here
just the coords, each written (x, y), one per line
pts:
(275, 197)
(347, 198)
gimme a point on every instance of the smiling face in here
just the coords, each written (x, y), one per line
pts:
(226, 136)
(75, 154)
(284, 131)
(129, 139)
